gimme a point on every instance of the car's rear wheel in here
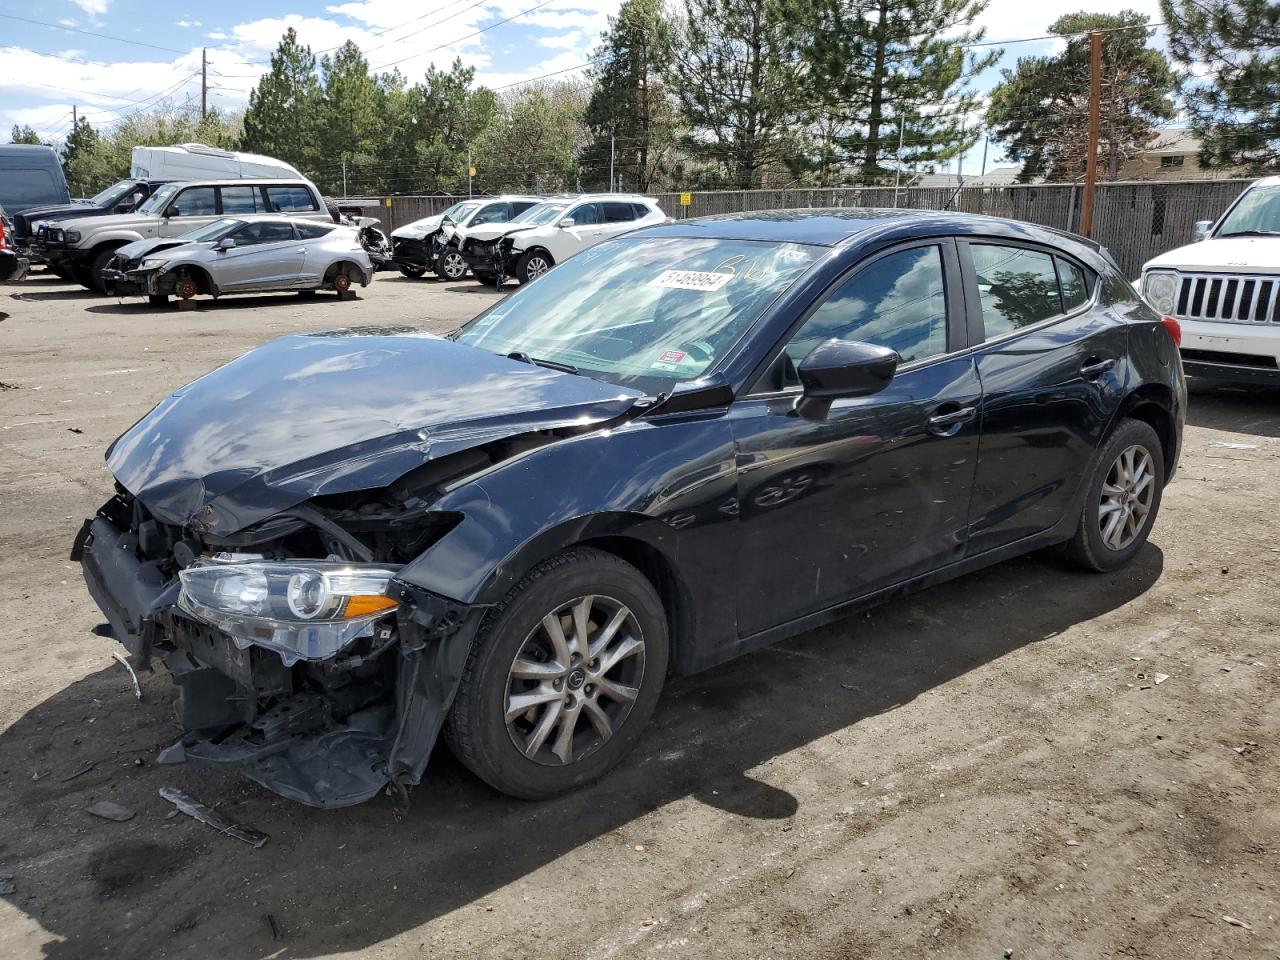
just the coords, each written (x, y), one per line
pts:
(414, 273)
(532, 264)
(563, 676)
(451, 266)
(1123, 499)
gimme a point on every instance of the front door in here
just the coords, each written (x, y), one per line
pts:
(878, 492)
(1052, 371)
(192, 207)
(266, 255)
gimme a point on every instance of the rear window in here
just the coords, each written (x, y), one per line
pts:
(641, 210)
(242, 200)
(291, 200)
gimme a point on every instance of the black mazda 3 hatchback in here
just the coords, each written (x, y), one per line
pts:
(675, 447)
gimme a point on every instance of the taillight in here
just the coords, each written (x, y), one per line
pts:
(1, 232)
(669, 220)
(1174, 327)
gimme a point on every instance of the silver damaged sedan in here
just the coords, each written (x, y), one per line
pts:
(241, 256)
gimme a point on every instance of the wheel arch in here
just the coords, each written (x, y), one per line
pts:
(350, 268)
(204, 280)
(539, 248)
(1153, 404)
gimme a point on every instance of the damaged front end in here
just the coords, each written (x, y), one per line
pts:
(418, 253)
(324, 680)
(133, 277)
(494, 258)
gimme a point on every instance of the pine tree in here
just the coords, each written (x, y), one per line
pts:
(1040, 109)
(630, 116)
(738, 77)
(24, 134)
(281, 120)
(81, 146)
(447, 117)
(894, 77)
(1234, 105)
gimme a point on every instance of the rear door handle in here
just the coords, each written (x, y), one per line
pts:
(1094, 368)
(948, 423)
(302, 250)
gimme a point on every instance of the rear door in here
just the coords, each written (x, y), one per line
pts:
(567, 241)
(618, 217)
(1052, 371)
(878, 492)
(294, 200)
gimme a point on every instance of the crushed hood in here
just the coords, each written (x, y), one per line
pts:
(419, 228)
(492, 231)
(324, 413)
(141, 248)
(1236, 254)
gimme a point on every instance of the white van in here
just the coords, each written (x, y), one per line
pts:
(196, 161)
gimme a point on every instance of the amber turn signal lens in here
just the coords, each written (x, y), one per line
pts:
(363, 606)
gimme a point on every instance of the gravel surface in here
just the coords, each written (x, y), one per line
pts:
(1031, 759)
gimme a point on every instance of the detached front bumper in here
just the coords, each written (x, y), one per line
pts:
(129, 283)
(326, 733)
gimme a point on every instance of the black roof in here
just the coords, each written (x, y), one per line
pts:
(836, 226)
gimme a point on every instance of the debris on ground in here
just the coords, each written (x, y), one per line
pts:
(277, 932)
(137, 687)
(7, 884)
(110, 810)
(1160, 678)
(1235, 922)
(198, 811)
(89, 765)
(74, 430)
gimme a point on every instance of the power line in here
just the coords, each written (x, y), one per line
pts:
(91, 33)
(476, 33)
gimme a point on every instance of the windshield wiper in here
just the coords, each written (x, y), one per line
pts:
(1251, 233)
(549, 364)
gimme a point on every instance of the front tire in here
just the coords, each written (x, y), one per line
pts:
(1122, 501)
(562, 677)
(451, 266)
(99, 264)
(413, 273)
(533, 264)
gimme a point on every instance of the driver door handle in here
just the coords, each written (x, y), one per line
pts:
(1093, 368)
(949, 422)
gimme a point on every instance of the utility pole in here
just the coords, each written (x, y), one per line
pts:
(74, 121)
(344, 175)
(1095, 111)
(470, 176)
(204, 82)
(897, 173)
(986, 142)
(611, 180)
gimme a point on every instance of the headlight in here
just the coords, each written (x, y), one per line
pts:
(1160, 290)
(303, 610)
(55, 234)
(154, 263)
(73, 236)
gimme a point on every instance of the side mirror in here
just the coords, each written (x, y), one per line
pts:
(171, 211)
(1202, 229)
(842, 368)
(226, 243)
(566, 223)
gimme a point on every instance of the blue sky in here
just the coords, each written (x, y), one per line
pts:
(43, 71)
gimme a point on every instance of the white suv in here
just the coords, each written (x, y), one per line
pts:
(588, 219)
(1225, 290)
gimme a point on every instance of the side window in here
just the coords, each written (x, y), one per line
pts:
(241, 200)
(618, 212)
(641, 211)
(1075, 284)
(252, 234)
(290, 200)
(1017, 287)
(493, 213)
(520, 206)
(585, 215)
(196, 202)
(312, 231)
(898, 301)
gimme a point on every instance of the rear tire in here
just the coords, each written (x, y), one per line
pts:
(1122, 501)
(603, 696)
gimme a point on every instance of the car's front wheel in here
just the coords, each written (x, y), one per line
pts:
(1122, 500)
(532, 264)
(562, 677)
(451, 266)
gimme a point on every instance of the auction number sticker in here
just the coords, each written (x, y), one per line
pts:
(690, 280)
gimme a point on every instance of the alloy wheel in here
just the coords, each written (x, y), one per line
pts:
(1127, 494)
(574, 680)
(537, 267)
(453, 266)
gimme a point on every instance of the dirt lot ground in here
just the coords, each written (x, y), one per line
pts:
(994, 765)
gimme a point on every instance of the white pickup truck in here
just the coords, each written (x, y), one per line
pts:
(1224, 289)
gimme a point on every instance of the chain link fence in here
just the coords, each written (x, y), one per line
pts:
(1134, 220)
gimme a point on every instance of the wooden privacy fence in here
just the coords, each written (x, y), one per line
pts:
(1135, 220)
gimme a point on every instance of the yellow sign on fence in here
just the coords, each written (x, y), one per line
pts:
(387, 201)
(686, 199)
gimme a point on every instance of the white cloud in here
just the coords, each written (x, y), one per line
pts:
(562, 41)
(67, 22)
(184, 22)
(94, 8)
(217, 35)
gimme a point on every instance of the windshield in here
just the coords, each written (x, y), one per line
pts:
(642, 312)
(113, 194)
(458, 212)
(211, 231)
(542, 214)
(1257, 212)
(159, 200)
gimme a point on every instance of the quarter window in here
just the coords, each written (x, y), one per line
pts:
(313, 231)
(290, 200)
(898, 301)
(1017, 287)
(197, 202)
(1075, 285)
(241, 200)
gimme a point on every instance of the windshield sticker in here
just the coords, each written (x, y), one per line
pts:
(672, 356)
(690, 280)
